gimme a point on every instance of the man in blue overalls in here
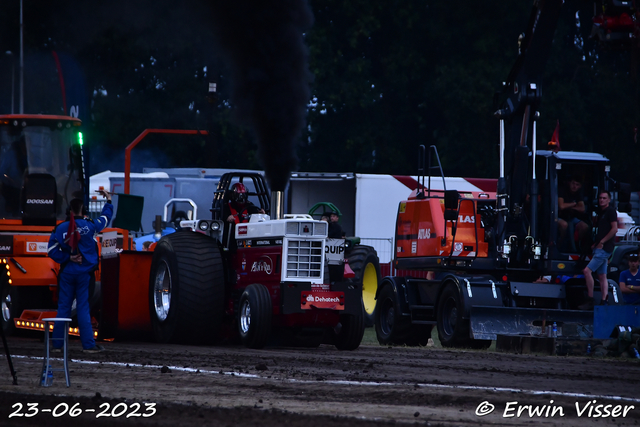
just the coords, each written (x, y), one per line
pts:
(72, 244)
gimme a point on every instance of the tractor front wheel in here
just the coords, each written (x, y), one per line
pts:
(254, 316)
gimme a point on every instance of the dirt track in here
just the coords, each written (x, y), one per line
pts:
(374, 385)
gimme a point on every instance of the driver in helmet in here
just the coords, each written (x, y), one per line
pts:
(240, 208)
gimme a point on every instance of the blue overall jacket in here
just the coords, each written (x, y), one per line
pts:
(60, 251)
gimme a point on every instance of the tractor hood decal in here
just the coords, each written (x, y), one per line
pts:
(263, 264)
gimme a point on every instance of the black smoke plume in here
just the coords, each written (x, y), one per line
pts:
(263, 43)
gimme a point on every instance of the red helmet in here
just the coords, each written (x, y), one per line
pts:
(239, 193)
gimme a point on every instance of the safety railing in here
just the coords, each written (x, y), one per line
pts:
(384, 247)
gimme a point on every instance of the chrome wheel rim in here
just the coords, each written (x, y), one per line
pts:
(162, 291)
(245, 317)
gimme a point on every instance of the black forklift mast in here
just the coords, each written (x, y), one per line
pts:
(518, 228)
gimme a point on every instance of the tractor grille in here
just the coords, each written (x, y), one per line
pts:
(304, 259)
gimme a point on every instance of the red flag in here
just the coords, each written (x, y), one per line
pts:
(73, 237)
(554, 144)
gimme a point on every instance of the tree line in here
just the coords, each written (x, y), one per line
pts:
(386, 76)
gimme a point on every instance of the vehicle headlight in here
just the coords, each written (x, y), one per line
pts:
(215, 226)
(203, 225)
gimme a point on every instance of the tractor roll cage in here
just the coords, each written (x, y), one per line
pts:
(221, 195)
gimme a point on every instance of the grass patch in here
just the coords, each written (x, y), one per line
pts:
(370, 338)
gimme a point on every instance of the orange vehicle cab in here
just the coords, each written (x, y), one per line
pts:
(423, 229)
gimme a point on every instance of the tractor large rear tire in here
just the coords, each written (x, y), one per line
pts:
(364, 262)
(186, 289)
(254, 316)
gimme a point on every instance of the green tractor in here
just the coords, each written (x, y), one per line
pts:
(363, 261)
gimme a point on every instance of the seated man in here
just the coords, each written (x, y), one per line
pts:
(630, 281)
(571, 210)
(239, 208)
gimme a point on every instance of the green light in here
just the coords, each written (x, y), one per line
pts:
(80, 141)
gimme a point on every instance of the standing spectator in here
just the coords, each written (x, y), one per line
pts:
(72, 244)
(335, 230)
(602, 250)
(630, 281)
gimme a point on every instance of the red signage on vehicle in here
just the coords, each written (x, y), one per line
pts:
(326, 300)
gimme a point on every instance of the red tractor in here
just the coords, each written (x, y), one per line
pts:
(215, 278)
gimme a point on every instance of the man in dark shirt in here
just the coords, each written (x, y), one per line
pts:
(335, 231)
(571, 210)
(602, 250)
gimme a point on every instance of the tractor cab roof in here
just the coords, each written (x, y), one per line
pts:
(573, 156)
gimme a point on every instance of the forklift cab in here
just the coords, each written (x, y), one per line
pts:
(556, 172)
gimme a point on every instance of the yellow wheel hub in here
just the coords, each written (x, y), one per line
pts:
(369, 288)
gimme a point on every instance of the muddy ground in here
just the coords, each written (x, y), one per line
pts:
(147, 384)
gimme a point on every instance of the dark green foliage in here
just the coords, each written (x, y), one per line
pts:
(388, 76)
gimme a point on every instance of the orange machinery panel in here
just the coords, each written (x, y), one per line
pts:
(421, 228)
(125, 294)
(29, 264)
(31, 271)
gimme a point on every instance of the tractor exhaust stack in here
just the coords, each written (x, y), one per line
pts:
(277, 205)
